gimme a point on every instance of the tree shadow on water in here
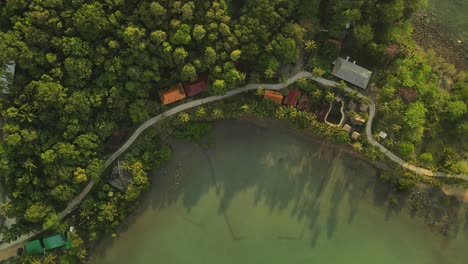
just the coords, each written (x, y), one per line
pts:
(300, 178)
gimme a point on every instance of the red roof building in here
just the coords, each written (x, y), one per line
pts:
(172, 94)
(273, 96)
(291, 99)
(193, 88)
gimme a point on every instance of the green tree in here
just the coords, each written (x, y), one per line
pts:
(62, 192)
(217, 113)
(218, 87)
(47, 94)
(201, 112)
(318, 71)
(187, 11)
(392, 11)
(184, 117)
(363, 34)
(80, 175)
(134, 37)
(179, 55)
(138, 111)
(310, 45)
(91, 21)
(189, 73)
(406, 149)
(269, 73)
(415, 118)
(456, 110)
(285, 49)
(36, 212)
(181, 36)
(158, 36)
(210, 56)
(78, 71)
(235, 55)
(158, 10)
(199, 32)
(426, 158)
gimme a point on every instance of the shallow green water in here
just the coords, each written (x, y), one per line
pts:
(268, 196)
(453, 15)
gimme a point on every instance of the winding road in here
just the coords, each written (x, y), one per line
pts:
(323, 82)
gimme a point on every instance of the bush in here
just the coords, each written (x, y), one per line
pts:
(193, 131)
(340, 136)
(405, 183)
(406, 149)
(385, 177)
(426, 158)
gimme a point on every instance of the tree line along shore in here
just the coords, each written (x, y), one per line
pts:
(86, 73)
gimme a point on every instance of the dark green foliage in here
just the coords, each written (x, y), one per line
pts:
(88, 68)
(405, 183)
(406, 150)
(193, 131)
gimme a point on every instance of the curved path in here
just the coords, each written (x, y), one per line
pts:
(293, 79)
(324, 82)
(77, 200)
(385, 151)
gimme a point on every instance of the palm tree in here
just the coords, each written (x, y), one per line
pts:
(6, 207)
(302, 82)
(201, 112)
(49, 258)
(82, 254)
(245, 107)
(35, 261)
(280, 112)
(29, 165)
(318, 71)
(17, 194)
(357, 146)
(310, 45)
(217, 113)
(269, 73)
(260, 91)
(242, 77)
(184, 117)
(341, 85)
(330, 97)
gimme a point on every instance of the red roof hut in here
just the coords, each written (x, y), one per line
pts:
(198, 86)
(172, 94)
(291, 99)
(273, 96)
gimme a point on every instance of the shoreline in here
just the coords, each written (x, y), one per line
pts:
(430, 34)
(148, 199)
(311, 135)
(381, 165)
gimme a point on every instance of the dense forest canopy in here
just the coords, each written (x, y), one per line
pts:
(85, 69)
(88, 68)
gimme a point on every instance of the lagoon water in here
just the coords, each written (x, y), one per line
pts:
(264, 195)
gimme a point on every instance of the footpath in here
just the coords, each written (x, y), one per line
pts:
(302, 74)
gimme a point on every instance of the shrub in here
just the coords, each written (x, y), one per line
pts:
(405, 183)
(385, 177)
(426, 158)
(406, 149)
(193, 131)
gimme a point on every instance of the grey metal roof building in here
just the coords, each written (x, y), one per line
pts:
(351, 73)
